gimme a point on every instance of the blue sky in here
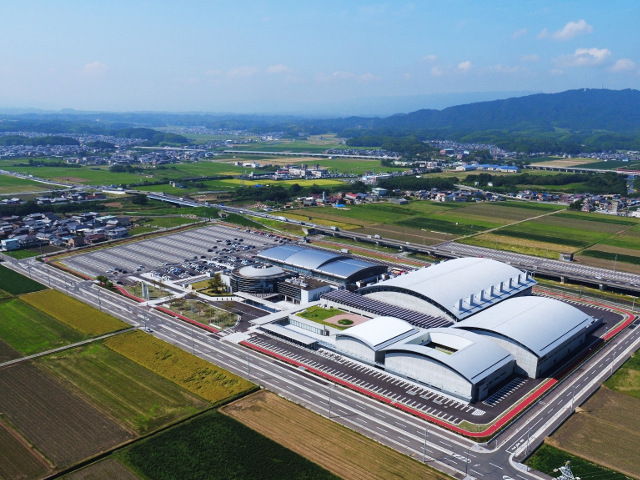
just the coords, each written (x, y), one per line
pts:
(294, 56)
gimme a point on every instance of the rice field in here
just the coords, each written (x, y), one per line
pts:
(87, 320)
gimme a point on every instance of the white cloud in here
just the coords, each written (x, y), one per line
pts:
(436, 71)
(94, 68)
(530, 58)
(584, 57)
(464, 66)
(429, 58)
(519, 33)
(507, 69)
(279, 68)
(556, 72)
(345, 75)
(407, 76)
(212, 72)
(623, 65)
(243, 72)
(570, 30)
(192, 81)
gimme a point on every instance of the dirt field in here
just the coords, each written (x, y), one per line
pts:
(17, 460)
(108, 469)
(7, 353)
(336, 448)
(59, 424)
(356, 319)
(605, 431)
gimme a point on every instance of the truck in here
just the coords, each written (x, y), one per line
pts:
(344, 250)
(335, 229)
(376, 236)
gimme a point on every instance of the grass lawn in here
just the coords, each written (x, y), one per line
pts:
(138, 397)
(191, 373)
(318, 313)
(17, 284)
(216, 446)
(28, 330)
(87, 320)
(20, 254)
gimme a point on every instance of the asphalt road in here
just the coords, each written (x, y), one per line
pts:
(442, 449)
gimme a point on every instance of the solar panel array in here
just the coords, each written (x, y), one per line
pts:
(378, 308)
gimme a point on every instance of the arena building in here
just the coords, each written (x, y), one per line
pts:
(455, 289)
(323, 265)
(457, 362)
(254, 279)
(538, 331)
(461, 364)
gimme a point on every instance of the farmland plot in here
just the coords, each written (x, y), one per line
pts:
(16, 459)
(107, 469)
(141, 399)
(80, 316)
(59, 424)
(191, 373)
(28, 330)
(216, 446)
(16, 284)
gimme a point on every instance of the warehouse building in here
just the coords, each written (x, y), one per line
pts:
(538, 331)
(455, 289)
(323, 265)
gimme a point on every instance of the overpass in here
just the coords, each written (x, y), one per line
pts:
(307, 154)
(572, 169)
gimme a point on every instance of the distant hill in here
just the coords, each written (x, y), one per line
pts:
(578, 110)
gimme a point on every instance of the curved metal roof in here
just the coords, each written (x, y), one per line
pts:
(378, 332)
(321, 261)
(255, 272)
(537, 323)
(475, 356)
(460, 287)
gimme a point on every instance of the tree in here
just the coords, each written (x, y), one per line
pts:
(139, 199)
(216, 284)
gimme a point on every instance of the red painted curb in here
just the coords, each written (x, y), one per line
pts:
(187, 319)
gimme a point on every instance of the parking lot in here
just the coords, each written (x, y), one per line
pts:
(187, 253)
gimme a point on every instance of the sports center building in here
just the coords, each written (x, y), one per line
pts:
(323, 265)
(253, 279)
(455, 289)
(462, 327)
(538, 331)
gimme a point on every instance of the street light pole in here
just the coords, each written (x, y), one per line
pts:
(330, 391)
(424, 445)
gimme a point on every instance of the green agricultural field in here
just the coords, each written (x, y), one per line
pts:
(191, 373)
(28, 330)
(547, 459)
(627, 379)
(216, 443)
(21, 254)
(612, 165)
(11, 184)
(140, 398)
(87, 320)
(16, 284)
(151, 224)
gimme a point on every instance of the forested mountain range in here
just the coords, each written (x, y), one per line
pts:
(571, 121)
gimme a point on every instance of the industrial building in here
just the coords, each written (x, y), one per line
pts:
(323, 265)
(538, 331)
(455, 289)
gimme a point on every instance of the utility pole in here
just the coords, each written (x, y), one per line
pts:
(424, 445)
(330, 391)
(566, 473)
(526, 450)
